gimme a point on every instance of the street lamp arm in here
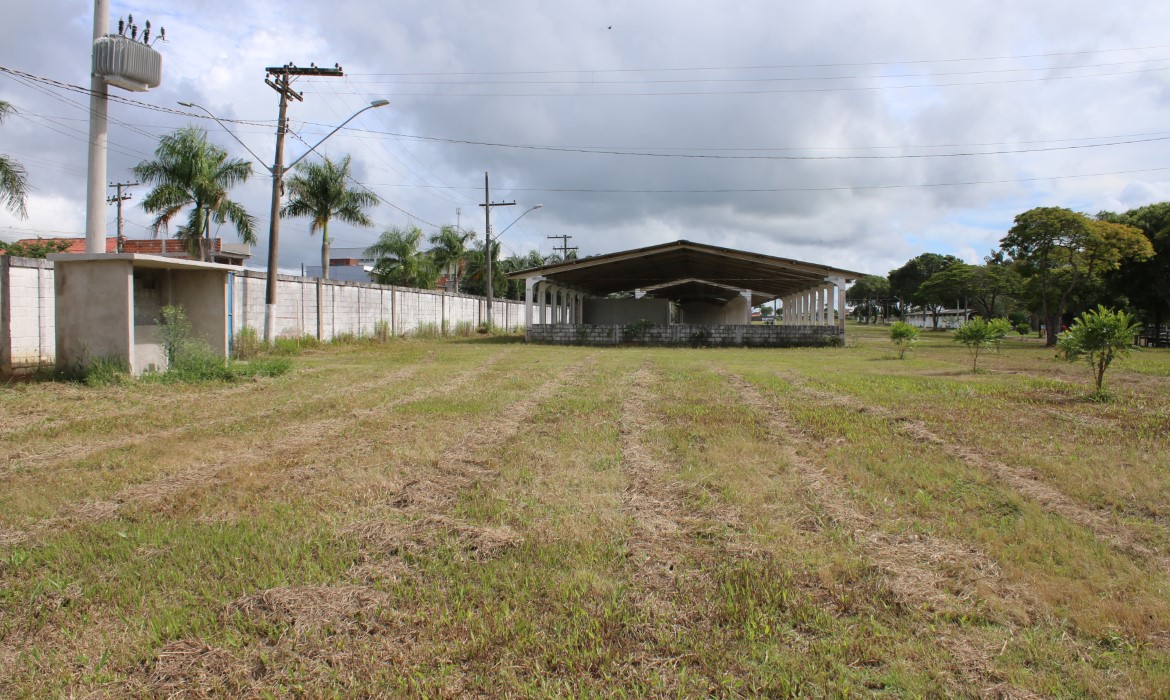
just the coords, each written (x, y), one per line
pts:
(526, 212)
(372, 105)
(230, 132)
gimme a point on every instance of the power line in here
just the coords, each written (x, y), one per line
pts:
(844, 188)
(715, 156)
(857, 88)
(792, 65)
(768, 79)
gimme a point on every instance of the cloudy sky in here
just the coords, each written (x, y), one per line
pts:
(857, 133)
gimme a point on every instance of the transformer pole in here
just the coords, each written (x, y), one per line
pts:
(95, 210)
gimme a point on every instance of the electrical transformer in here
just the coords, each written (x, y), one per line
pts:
(129, 64)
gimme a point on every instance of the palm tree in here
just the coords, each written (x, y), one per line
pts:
(13, 177)
(450, 251)
(475, 281)
(190, 171)
(318, 191)
(398, 259)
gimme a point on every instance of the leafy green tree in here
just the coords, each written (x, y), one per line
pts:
(1060, 250)
(868, 296)
(450, 250)
(13, 177)
(319, 192)
(42, 248)
(943, 287)
(398, 260)
(1100, 336)
(1146, 283)
(188, 171)
(905, 281)
(904, 336)
(979, 335)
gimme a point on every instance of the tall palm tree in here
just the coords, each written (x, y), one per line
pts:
(398, 259)
(318, 191)
(190, 171)
(450, 250)
(13, 177)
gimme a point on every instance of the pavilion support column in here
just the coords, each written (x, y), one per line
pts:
(818, 306)
(747, 297)
(829, 305)
(841, 284)
(541, 294)
(530, 292)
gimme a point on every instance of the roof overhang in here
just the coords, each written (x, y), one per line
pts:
(687, 271)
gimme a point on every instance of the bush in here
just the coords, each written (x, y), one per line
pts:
(174, 328)
(903, 335)
(104, 371)
(1100, 336)
(427, 330)
(979, 335)
(294, 345)
(246, 343)
(382, 331)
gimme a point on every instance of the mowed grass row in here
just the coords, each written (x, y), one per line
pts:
(452, 518)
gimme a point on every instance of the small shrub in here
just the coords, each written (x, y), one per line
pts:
(382, 331)
(904, 336)
(195, 361)
(104, 371)
(464, 329)
(700, 338)
(1100, 336)
(174, 328)
(294, 345)
(429, 331)
(636, 330)
(979, 335)
(246, 343)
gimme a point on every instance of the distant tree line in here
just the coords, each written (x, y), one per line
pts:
(1052, 265)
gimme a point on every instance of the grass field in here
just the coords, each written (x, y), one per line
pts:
(486, 518)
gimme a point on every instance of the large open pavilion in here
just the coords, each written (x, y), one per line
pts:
(684, 293)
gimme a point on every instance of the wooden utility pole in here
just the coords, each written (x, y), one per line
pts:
(277, 78)
(564, 246)
(118, 199)
(487, 248)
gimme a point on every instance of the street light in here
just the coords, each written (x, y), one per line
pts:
(488, 254)
(278, 170)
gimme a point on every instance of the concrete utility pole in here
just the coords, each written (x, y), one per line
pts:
(564, 246)
(281, 85)
(99, 103)
(118, 199)
(487, 248)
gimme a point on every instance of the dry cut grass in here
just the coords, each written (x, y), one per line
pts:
(468, 518)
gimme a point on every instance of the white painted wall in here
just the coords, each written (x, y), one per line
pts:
(27, 296)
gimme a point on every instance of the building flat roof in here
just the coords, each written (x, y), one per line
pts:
(694, 271)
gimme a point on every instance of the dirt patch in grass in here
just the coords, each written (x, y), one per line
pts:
(414, 537)
(1024, 481)
(341, 609)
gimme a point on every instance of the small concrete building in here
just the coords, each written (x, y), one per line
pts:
(108, 306)
(684, 293)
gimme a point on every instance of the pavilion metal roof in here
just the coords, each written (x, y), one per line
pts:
(688, 271)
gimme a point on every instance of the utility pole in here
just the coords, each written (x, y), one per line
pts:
(99, 104)
(281, 85)
(118, 199)
(487, 249)
(564, 246)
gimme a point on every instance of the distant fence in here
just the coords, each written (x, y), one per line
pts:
(27, 303)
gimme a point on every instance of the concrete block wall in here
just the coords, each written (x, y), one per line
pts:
(27, 307)
(27, 311)
(684, 334)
